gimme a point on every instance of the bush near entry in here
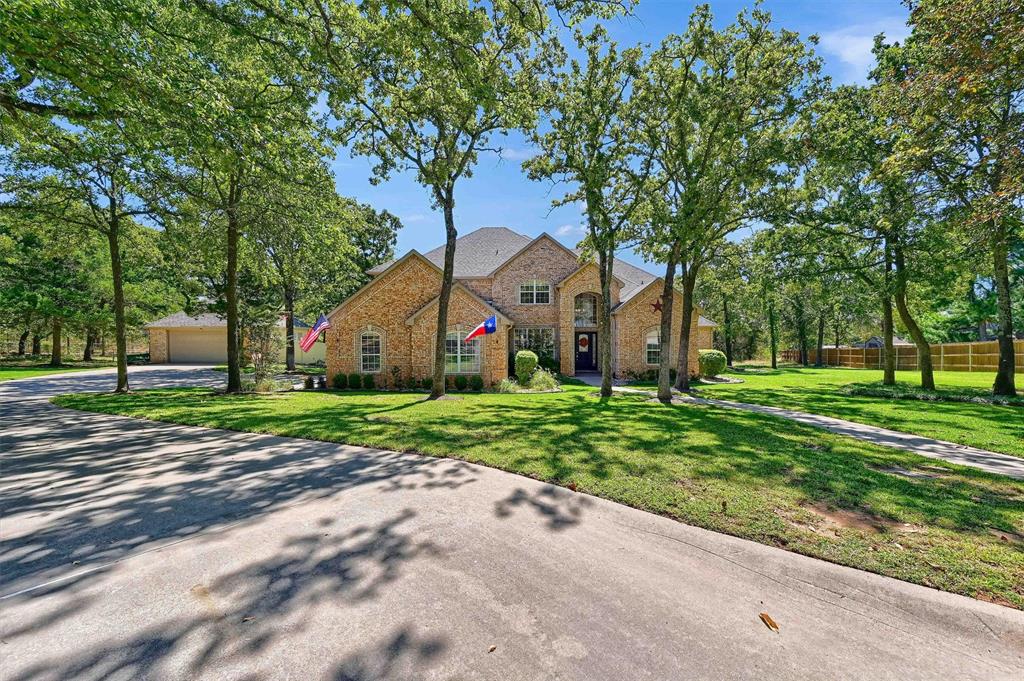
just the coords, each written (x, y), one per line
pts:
(526, 364)
(712, 362)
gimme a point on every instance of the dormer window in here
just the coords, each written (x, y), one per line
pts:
(534, 292)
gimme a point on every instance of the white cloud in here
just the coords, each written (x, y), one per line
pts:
(414, 217)
(852, 45)
(569, 230)
(517, 154)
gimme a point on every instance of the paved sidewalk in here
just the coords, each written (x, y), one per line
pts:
(991, 462)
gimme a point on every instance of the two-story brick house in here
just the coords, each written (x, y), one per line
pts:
(544, 298)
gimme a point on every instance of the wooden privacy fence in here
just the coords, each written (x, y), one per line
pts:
(979, 356)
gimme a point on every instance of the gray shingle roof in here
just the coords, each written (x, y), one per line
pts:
(182, 320)
(482, 251)
(208, 320)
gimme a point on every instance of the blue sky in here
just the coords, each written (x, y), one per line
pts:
(499, 193)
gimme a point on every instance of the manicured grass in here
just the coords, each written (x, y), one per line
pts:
(745, 474)
(997, 428)
(22, 368)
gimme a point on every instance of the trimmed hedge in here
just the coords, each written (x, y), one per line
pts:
(369, 383)
(461, 382)
(476, 383)
(712, 362)
(354, 381)
(340, 381)
(526, 364)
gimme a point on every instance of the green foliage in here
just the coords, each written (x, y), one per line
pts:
(543, 380)
(340, 381)
(427, 383)
(476, 383)
(507, 385)
(712, 362)
(369, 382)
(309, 383)
(461, 382)
(526, 364)
(355, 380)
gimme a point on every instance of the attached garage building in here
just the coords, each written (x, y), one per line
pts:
(203, 339)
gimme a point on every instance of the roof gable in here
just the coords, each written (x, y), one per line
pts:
(543, 236)
(457, 286)
(390, 266)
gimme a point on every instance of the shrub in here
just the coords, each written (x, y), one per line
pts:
(266, 385)
(461, 382)
(548, 361)
(507, 385)
(308, 383)
(428, 383)
(476, 383)
(711, 362)
(354, 381)
(526, 364)
(396, 377)
(340, 381)
(543, 380)
(368, 382)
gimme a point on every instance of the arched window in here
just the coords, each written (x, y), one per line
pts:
(461, 356)
(585, 312)
(534, 292)
(652, 346)
(371, 351)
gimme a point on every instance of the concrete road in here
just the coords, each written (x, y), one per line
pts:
(136, 550)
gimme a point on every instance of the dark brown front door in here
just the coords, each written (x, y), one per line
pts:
(586, 351)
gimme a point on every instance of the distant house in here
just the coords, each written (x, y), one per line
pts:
(203, 339)
(542, 296)
(878, 342)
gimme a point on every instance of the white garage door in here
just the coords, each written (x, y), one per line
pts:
(200, 346)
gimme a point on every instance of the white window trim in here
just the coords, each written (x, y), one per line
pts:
(359, 348)
(480, 354)
(647, 334)
(534, 283)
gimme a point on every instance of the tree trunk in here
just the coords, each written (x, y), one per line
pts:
(683, 366)
(231, 291)
(22, 339)
(773, 335)
(90, 340)
(1004, 383)
(888, 351)
(606, 261)
(120, 326)
(447, 201)
(289, 328)
(665, 334)
(55, 344)
(801, 332)
(924, 352)
(821, 341)
(37, 345)
(727, 331)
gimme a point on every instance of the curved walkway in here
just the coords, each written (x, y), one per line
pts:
(991, 462)
(145, 550)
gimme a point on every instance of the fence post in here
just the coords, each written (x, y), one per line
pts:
(970, 358)
(896, 353)
(942, 356)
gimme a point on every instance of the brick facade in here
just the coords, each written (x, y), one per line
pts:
(157, 346)
(400, 305)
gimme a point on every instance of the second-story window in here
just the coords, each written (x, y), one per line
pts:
(586, 310)
(534, 292)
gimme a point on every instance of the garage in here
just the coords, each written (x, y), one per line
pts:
(197, 346)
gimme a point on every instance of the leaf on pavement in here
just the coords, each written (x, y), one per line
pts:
(769, 622)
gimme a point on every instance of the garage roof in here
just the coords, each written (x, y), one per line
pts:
(180, 320)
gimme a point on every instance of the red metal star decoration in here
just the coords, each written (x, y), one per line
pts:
(657, 304)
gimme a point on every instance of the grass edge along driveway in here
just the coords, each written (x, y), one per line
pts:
(749, 475)
(996, 428)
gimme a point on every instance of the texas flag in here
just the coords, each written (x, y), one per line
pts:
(489, 325)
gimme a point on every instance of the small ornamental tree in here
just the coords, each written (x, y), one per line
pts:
(526, 364)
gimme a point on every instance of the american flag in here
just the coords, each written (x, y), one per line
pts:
(310, 338)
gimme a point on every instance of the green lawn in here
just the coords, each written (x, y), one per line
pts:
(22, 368)
(745, 474)
(998, 428)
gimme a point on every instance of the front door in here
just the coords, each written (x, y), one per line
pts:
(586, 351)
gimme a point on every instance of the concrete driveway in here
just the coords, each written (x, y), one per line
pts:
(142, 550)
